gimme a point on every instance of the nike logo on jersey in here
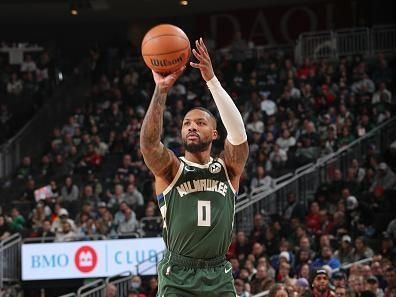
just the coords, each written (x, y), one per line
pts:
(189, 169)
(227, 270)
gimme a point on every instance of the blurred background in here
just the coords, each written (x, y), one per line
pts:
(315, 84)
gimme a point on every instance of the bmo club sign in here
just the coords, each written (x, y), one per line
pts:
(89, 259)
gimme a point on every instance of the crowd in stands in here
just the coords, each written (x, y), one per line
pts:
(94, 184)
(23, 88)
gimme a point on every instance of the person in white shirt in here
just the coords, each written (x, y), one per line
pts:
(261, 179)
(14, 85)
(294, 92)
(382, 95)
(65, 234)
(286, 140)
(28, 65)
(268, 106)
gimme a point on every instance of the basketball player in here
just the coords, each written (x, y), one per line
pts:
(196, 193)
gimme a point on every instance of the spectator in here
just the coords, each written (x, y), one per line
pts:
(270, 270)
(26, 169)
(382, 95)
(89, 196)
(153, 287)
(261, 282)
(5, 231)
(238, 47)
(302, 288)
(126, 221)
(104, 223)
(261, 179)
(356, 282)
(341, 292)
(63, 216)
(268, 106)
(345, 253)
(384, 178)
(372, 286)
(257, 234)
(339, 279)
(136, 284)
(14, 85)
(283, 273)
(286, 141)
(255, 123)
(361, 251)
(111, 290)
(326, 258)
(65, 233)
(150, 224)
(69, 195)
(134, 197)
(44, 233)
(39, 215)
(391, 230)
(17, 221)
(117, 197)
(312, 219)
(251, 270)
(320, 283)
(242, 246)
(278, 290)
(28, 65)
(240, 288)
(304, 271)
(390, 277)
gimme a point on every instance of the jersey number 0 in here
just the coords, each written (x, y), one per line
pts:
(203, 213)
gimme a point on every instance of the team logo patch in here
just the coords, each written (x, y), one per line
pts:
(215, 167)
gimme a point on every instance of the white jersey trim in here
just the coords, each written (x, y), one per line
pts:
(226, 173)
(179, 172)
(196, 164)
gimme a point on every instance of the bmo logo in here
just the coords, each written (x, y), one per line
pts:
(85, 259)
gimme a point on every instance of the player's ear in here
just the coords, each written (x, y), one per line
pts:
(215, 135)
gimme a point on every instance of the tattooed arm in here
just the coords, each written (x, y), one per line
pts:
(161, 161)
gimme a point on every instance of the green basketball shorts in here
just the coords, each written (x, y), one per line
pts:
(180, 276)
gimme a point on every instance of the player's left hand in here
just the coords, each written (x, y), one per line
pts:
(205, 64)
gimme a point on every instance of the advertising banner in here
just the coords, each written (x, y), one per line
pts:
(89, 259)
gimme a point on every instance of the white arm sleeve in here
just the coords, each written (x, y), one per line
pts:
(229, 113)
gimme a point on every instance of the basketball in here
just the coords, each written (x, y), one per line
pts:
(165, 48)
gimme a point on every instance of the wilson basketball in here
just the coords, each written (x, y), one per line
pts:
(165, 48)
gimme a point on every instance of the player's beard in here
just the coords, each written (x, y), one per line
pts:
(196, 147)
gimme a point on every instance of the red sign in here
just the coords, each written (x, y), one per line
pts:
(86, 259)
(279, 24)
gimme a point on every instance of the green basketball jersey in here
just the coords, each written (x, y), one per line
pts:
(198, 210)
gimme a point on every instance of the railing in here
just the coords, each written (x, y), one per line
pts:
(69, 295)
(349, 265)
(333, 44)
(148, 263)
(75, 238)
(122, 282)
(10, 259)
(262, 294)
(306, 180)
(95, 289)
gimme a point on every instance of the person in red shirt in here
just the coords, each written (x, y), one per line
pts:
(312, 219)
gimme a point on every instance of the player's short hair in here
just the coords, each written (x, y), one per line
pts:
(208, 112)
